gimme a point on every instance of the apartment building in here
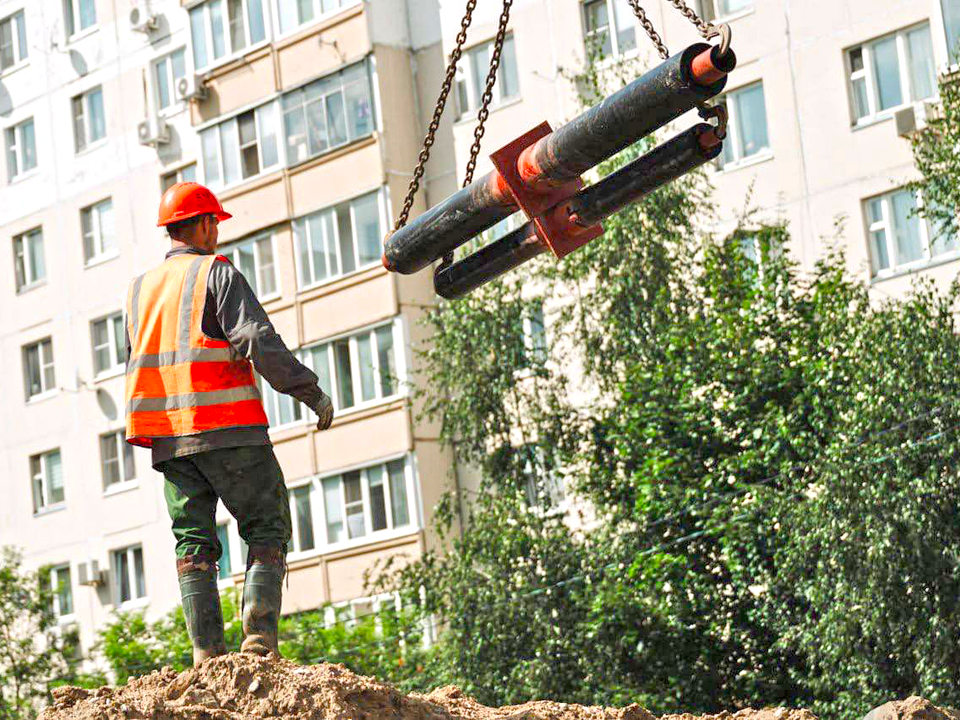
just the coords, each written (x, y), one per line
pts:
(305, 117)
(820, 105)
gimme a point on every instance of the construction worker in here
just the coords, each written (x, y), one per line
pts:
(195, 333)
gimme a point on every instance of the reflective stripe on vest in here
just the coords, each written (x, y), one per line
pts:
(179, 381)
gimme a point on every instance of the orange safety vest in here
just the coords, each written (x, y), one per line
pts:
(179, 381)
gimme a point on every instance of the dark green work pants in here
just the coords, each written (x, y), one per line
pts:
(247, 479)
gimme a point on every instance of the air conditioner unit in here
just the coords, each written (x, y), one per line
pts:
(90, 574)
(153, 131)
(913, 119)
(141, 19)
(190, 87)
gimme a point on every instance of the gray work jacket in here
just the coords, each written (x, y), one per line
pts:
(232, 312)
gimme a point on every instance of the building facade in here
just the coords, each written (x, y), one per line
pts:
(818, 103)
(305, 118)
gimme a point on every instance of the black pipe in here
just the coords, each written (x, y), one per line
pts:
(445, 227)
(649, 102)
(665, 163)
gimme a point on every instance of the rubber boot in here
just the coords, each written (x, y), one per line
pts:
(262, 590)
(201, 606)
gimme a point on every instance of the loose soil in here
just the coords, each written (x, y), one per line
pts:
(236, 686)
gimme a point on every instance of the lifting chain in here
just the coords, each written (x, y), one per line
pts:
(649, 28)
(484, 111)
(437, 114)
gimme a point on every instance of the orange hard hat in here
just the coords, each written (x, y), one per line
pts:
(186, 200)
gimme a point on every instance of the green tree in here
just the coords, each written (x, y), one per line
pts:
(33, 652)
(764, 458)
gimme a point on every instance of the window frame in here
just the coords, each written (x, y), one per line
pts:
(220, 184)
(868, 75)
(318, 15)
(302, 231)
(178, 176)
(230, 53)
(396, 326)
(30, 278)
(463, 79)
(113, 345)
(101, 253)
(613, 31)
(16, 131)
(175, 104)
(41, 501)
(73, 6)
(339, 73)
(733, 131)
(135, 599)
(19, 46)
(887, 225)
(711, 11)
(82, 101)
(124, 454)
(230, 251)
(62, 617)
(45, 391)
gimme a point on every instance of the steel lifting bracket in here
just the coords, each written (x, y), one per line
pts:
(536, 199)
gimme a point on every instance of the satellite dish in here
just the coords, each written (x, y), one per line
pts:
(106, 403)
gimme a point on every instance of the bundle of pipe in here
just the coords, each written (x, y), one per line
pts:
(664, 164)
(661, 95)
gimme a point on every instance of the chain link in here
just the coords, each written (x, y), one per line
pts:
(437, 114)
(649, 28)
(487, 97)
(484, 111)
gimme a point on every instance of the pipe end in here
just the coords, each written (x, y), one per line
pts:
(709, 67)
(387, 264)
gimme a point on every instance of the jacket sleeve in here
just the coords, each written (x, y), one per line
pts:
(248, 329)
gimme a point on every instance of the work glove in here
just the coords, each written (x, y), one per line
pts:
(324, 411)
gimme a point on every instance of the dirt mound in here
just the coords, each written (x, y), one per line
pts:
(241, 686)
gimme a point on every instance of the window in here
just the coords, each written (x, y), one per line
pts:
(281, 409)
(38, 368)
(472, 76)
(128, 576)
(28, 260)
(898, 237)
(62, 590)
(21, 149)
(951, 25)
(609, 27)
(109, 343)
(166, 71)
(78, 15)
(241, 147)
(46, 479)
(361, 502)
(294, 13)
(714, 9)
(221, 28)
(188, 173)
(13, 40)
(99, 237)
(224, 568)
(116, 459)
(89, 124)
(339, 240)
(302, 515)
(534, 337)
(747, 126)
(328, 112)
(359, 369)
(890, 72)
(254, 258)
(542, 488)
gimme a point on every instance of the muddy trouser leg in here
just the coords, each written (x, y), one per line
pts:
(250, 483)
(192, 505)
